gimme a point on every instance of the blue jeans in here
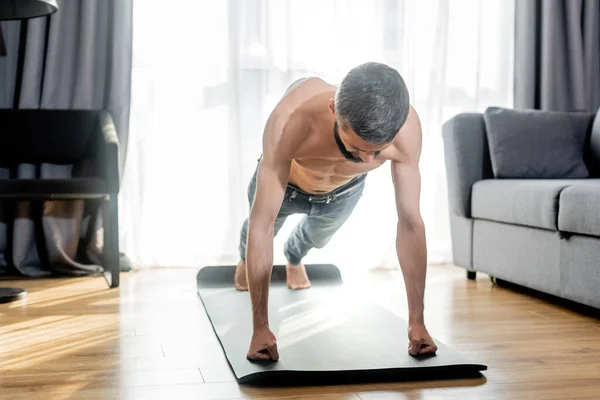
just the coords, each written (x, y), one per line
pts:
(324, 214)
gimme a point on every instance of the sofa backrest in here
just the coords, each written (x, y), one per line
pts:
(593, 147)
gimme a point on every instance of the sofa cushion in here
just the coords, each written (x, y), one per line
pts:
(537, 144)
(528, 202)
(580, 209)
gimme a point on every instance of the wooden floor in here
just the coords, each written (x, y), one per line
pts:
(150, 339)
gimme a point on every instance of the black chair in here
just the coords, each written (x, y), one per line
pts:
(66, 137)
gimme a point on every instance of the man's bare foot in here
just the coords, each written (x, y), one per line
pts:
(241, 280)
(296, 277)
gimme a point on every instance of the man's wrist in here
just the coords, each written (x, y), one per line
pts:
(416, 320)
(260, 323)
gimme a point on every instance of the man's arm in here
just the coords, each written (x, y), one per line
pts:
(271, 182)
(410, 236)
(411, 244)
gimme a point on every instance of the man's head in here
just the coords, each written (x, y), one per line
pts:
(371, 105)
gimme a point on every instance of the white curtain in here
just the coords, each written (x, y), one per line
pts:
(208, 73)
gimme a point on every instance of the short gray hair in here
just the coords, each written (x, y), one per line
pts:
(373, 101)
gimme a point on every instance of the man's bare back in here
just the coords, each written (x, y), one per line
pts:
(318, 139)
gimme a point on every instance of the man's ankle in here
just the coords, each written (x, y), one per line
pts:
(294, 264)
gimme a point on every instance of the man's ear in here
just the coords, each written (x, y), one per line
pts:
(332, 106)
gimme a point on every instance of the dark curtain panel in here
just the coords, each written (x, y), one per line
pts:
(557, 54)
(8, 63)
(78, 58)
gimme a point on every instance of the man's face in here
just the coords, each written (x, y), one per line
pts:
(353, 148)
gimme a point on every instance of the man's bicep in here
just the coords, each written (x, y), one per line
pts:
(271, 183)
(274, 169)
(405, 171)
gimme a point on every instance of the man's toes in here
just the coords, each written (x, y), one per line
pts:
(240, 284)
(299, 286)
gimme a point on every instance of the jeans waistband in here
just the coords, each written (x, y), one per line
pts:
(329, 196)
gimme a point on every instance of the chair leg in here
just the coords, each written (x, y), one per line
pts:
(110, 249)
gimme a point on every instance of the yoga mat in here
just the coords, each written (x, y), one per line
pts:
(325, 334)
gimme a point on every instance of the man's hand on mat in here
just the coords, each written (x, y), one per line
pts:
(263, 345)
(419, 341)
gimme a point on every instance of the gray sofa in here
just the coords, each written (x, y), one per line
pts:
(524, 199)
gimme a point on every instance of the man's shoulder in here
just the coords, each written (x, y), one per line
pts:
(301, 82)
(406, 147)
(288, 132)
(293, 124)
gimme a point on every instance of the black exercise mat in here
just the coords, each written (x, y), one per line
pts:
(326, 334)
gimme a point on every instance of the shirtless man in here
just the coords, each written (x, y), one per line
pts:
(318, 145)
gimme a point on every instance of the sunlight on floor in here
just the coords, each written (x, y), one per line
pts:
(290, 307)
(303, 324)
(29, 355)
(306, 326)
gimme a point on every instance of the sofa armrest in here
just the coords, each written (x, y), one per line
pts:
(109, 153)
(593, 145)
(467, 159)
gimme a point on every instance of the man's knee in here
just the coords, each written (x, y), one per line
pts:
(323, 239)
(319, 232)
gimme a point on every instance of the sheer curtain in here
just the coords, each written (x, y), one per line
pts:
(208, 73)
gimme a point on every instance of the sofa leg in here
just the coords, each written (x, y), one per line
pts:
(471, 275)
(111, 240)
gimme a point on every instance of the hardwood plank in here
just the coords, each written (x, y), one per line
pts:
(217, 374)
(161, 377)
(100, 379)
(493, 391)
(566, 373)
(204, 391)
(173, 349)
(115, 361)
